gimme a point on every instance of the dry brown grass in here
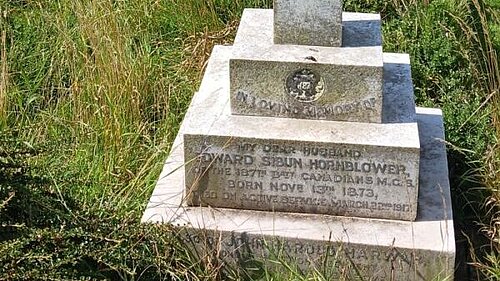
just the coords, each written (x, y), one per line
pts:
(3, 68)
(490, 67)
(488, 74)
(199, 46)
(111, 76)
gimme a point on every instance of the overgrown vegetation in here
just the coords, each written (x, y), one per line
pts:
(92, 94)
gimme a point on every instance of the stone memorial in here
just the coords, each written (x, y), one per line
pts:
(311, 148)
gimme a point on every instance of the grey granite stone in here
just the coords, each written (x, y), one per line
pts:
(321, 83)
(295, 165)
(311, 22)
(378, 249)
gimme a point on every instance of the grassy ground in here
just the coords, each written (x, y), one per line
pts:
(92, 94)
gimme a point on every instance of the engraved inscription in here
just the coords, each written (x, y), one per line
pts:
(300, 177)
(305, 85)
(307, 109)
(369, 259)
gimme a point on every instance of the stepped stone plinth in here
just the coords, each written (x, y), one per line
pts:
(311, 151)
(379, 248)
(293, 164)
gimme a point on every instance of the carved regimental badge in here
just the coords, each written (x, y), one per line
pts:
(305, 85)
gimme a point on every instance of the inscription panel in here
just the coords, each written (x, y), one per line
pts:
(306, 91)
(258, 253)
(336, 179)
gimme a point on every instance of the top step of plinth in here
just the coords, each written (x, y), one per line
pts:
(309, 82)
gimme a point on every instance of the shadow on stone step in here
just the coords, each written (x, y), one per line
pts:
(364, 33)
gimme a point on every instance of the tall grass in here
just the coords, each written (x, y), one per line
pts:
(491, 174)
(98, 90)
(475, 19)
(112, 91)
(92, 94)
(3, 67)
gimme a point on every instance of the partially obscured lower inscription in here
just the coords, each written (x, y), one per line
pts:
(302, 251)
(255, 252)
(287, 176)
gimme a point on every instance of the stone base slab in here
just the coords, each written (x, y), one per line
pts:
(376, 249)
(307, 82)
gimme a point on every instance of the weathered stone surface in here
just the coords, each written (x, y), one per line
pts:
(282, 164)
(305, 82)
(311, 22)
(379, 249)
(303, 176)
(257, 253)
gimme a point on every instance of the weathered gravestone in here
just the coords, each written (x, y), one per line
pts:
(311, 153)
(305, 166)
